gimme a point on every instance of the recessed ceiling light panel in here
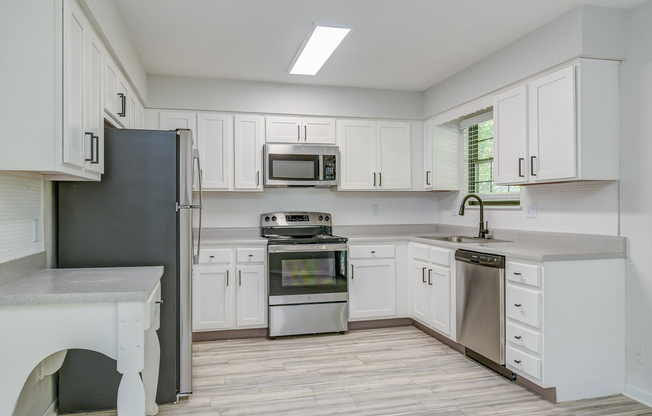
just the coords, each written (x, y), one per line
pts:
(322, 40)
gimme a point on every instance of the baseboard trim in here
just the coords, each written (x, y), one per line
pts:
(229, 334)
(439, 337)
(641, 396)
(549, 393)
(53, 409)
(380, 323)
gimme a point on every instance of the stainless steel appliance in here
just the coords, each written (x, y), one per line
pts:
(307, 268)
(480, 297)
(290, 165)
(140, 214)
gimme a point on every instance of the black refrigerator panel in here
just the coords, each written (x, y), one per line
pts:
(127, 219)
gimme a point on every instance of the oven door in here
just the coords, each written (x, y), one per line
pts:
(307, 269)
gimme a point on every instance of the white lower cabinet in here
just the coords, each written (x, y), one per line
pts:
(229, 289)
(432, 298)
(565, 325)
(372, 282)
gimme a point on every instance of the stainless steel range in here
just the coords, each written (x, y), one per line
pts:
(307, 268)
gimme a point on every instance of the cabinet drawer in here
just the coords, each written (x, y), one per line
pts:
(371, 252)
(523, 363)
(441, 256)
(523, 305)
(523, 273)
(420, 252)
(215, 255)
(250, 255)
(522, 337)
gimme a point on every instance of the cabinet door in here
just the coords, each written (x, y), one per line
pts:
(215, 138)
(510, 137)
(419, 293)
(358, 154)
(428, 155)
(180, 120)
(75, 140)
(95, 104)
(394, 156)
(439, 282)
(283, 130)
(318, 130)
(553, 141)
(212, 298)
(372, 288)
(140, 116)
(251, 303)
(248, 153)
(131, 108)
(112, 101)
(123, 100)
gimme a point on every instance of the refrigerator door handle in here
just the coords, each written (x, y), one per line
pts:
(195, 156)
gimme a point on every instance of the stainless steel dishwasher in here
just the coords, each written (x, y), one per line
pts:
(481, 308)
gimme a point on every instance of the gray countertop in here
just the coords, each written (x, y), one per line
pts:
(115, 284)
(532, 246)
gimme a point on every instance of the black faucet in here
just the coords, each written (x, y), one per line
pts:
(483, 228)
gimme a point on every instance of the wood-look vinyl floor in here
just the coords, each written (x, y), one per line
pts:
(393, 371)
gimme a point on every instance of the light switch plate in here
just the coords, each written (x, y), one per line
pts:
(531, 211)
(374, 209)
(639, 354)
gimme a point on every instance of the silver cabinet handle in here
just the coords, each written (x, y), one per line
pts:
(239, 277)
(517, 336)
(532, 165)
(373, 252)
(380, 179)
(227, 277)
(351, 272)
(430, 277)
(374, 178)
(517, 361)
(518, 305)
(520, 167)
(257, 178)
(427, 177)
(160, 302)
(305, 133)
(123, 100)
(423, 274)
(251, 255)
(517, 273)
(298, 133)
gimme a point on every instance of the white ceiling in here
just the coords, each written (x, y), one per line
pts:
(397, 44)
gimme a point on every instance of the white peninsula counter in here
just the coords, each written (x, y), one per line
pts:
(114, 311)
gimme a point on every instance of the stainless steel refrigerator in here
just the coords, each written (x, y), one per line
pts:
(140, 214)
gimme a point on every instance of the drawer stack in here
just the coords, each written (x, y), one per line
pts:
(524, 319)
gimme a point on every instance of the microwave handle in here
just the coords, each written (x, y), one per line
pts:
(320, 164)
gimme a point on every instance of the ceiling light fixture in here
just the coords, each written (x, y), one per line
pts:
(322, 40)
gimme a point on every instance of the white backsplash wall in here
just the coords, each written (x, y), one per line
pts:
(572, 207)
(20, 203)
(222, 209)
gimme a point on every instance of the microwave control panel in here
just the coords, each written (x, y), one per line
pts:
(330, 168)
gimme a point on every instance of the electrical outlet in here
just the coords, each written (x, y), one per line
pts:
(455, 210)
(531, 211)
(34, 231)
(374, 209)
(639, 353)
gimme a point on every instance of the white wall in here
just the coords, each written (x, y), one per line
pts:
(584, 31)
(106, 17)
(348, 208)
(636, 199)
(166, 92)
(574, 207)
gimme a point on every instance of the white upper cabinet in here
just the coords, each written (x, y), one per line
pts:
(510, 124)
(214, 140)
(298, 130)
(562, 126)
(116, 94)
(172, 120)
(95, 104)
(374, 155)
(428, 155)
(248, 153)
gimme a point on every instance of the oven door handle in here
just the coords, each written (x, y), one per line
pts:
(303, 248)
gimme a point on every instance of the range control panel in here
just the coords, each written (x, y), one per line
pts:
(294, 219)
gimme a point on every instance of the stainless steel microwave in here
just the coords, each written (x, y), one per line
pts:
(290, 165)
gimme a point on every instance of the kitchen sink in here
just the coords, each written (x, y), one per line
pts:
(464, 239)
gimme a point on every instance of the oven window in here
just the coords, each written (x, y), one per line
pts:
(308, 272)
(294, 169)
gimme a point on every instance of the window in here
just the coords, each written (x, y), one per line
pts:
(478, 133)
